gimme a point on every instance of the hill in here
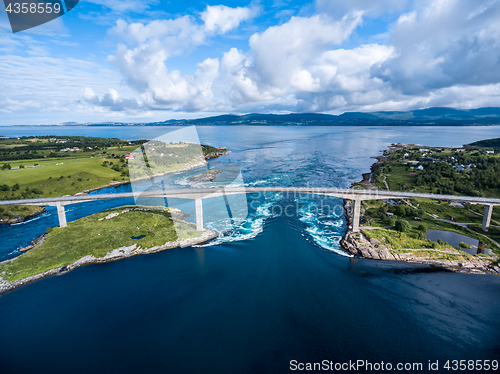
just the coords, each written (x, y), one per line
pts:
(420, 117)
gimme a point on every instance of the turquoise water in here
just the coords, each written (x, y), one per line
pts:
(272, 289)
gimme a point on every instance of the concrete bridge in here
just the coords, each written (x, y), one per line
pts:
(198, 194)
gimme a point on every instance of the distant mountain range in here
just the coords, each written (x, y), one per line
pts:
(421, 117)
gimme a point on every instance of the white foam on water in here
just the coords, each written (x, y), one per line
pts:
(324, 230)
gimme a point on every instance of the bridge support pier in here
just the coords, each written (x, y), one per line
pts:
(199, 214)
(488, 209)
(61, 214)
(356, 212)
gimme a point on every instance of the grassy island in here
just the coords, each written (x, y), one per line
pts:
(104, 236)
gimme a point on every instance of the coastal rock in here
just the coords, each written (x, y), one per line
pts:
(357, 244)
(34, 243)
(22, 218)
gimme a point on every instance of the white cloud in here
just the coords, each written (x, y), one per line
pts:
(8, 105)
(144, 65)
(110, 100)
(222, 18)
(444, 43)
(284, 60)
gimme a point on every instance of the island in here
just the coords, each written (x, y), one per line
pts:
(411, 230)
(102, 237)
(207, 176)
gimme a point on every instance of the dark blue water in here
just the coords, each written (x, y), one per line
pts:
(271, 290)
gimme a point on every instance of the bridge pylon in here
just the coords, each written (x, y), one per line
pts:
(488, 209)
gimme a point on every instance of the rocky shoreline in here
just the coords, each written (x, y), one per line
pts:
(116, 254)
(357, 244)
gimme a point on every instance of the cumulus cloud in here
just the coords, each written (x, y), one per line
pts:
(144, 64)
(110, 100)
(222, 18)
(437, 53)
(286, 59)
(443, 44)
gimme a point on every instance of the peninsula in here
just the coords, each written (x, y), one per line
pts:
(402, 229)
(106, 236)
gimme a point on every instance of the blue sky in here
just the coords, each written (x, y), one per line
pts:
(148, 60)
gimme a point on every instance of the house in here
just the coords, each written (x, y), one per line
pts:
(490, 152)
(459, 168)
(413, 174)
(420, 167)
(389, 214)
(129, 157)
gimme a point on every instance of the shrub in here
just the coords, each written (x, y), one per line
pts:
(15, 187)
(21, 166)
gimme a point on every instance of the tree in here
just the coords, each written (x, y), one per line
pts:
(402, 225)
(401, 210)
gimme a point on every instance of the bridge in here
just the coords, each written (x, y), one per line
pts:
(199, 194)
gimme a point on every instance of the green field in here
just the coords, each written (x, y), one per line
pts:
(77, 175)
(89, 236)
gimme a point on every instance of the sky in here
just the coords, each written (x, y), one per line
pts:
(151, 60)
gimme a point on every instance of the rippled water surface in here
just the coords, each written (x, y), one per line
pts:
(274, 287)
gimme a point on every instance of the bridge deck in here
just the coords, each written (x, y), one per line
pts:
(198, 194)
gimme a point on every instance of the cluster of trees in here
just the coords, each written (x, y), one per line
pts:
(121, 166)
(484, 176)
(5, 187)
(400, 210)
